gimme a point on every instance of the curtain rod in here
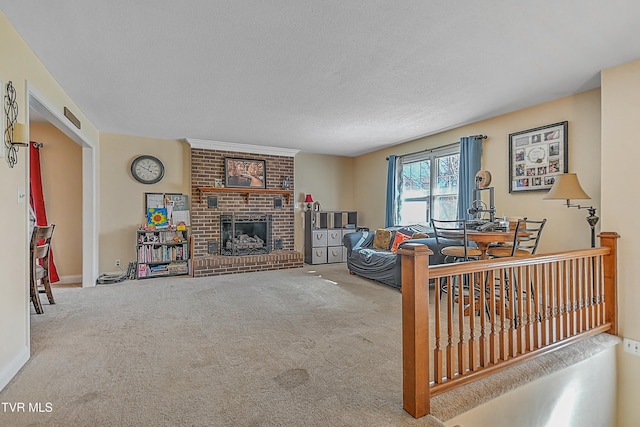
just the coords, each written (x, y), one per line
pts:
(442, 147)
(37, 144)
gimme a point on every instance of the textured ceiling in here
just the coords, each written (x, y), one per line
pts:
(337, 77)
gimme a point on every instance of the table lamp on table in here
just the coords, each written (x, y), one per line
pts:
(308, 200)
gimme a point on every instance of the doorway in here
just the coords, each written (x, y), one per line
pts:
(40, 107)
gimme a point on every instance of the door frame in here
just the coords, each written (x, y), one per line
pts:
(40, 104)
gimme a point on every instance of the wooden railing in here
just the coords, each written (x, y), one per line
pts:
(484, 316)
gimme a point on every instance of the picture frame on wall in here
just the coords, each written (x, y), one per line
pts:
(244, 173)
(537, 156)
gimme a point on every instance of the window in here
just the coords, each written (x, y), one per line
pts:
(427, 186)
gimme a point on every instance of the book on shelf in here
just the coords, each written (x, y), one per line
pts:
(157, 270)
(143, 270)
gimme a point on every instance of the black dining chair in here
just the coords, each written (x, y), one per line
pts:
(451, 238)
(525, 243)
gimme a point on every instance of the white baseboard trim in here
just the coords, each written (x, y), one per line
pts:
(8, 372)
(65, 280)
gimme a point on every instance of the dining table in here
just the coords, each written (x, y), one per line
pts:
(483, 239)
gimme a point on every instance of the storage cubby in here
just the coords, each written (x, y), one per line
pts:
(323, 232)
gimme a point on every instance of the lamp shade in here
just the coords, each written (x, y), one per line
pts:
(308, 198)
(566, 186)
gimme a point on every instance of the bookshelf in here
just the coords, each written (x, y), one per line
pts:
(162, 252)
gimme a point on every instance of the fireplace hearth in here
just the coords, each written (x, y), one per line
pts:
(245, 233)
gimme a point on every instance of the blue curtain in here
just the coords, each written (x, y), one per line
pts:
(391, 185)
(470, 158)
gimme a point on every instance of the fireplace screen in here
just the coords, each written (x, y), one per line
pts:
(245, 233)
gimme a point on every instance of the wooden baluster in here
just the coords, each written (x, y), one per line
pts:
(493, 320)
(573, 312)
(451, 370)
(482, 304)
(587, 277)
(505, 313)
(564, 282)
(599, 294)
(523, 295)
(583, 326)
(437, 352)
(473, 360)
(544, 304)
(462, 353)
(535, 301)
(513, 296)
(557, 305)
(527, 290)
(577, 283)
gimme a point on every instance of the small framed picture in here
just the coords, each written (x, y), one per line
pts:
(244, 173)
(541, 153)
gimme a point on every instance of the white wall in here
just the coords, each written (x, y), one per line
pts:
(578, 396)
(620, 207)
(20, 66)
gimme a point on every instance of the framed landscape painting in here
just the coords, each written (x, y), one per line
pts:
(244, 173)
(537, 156)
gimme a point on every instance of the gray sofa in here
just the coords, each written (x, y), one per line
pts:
(382, 265)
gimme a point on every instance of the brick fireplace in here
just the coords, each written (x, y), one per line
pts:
(207, 209)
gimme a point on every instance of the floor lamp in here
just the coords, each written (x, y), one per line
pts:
(567, 187)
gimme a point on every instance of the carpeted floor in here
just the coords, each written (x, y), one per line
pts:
(303, 347)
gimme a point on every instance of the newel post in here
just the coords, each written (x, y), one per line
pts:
(415, 328)
(610, 240)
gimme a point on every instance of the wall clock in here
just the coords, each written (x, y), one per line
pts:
(147, 169)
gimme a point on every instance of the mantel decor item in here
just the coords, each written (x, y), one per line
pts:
(537, 156)
(244, 173)
(286, 183)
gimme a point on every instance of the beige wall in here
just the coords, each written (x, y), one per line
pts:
(61, 167)
(329, 179)
(22, 67)
(620, 206)
(566, 228)
(122, 197)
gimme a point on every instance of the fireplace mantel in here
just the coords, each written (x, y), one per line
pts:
(246, 191)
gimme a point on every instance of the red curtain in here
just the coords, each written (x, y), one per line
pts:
(37, 202)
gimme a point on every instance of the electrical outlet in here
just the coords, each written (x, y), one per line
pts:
(117, 263)
(631, 346)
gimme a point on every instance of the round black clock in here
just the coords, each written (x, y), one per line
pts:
(147, 169)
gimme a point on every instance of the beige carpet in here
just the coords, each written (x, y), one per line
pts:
(283, 348)
(303, 347)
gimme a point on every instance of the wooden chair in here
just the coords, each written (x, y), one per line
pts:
(40, 245)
